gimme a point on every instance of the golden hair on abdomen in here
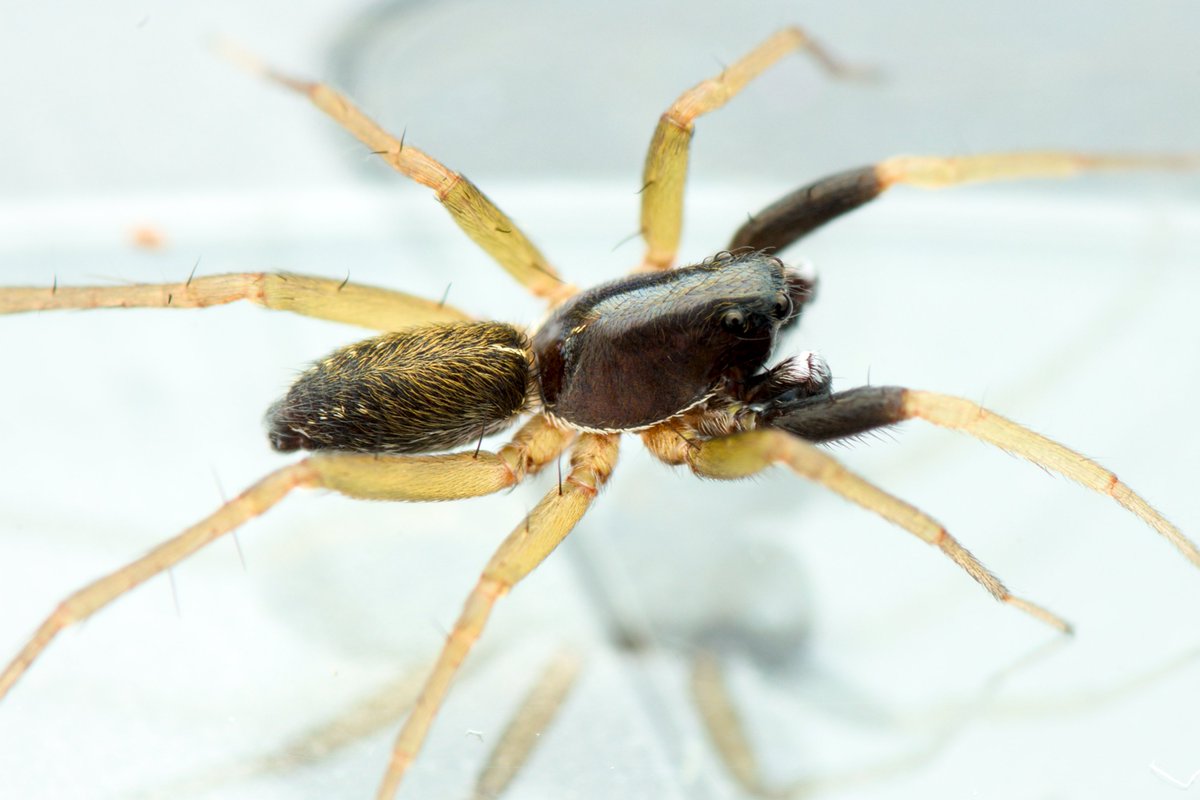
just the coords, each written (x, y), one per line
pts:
(418, 390)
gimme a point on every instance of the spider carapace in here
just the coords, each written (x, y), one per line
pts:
(677, 354)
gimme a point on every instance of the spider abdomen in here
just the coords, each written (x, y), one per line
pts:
(418, 390)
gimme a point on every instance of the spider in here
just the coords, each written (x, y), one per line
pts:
(679, 356)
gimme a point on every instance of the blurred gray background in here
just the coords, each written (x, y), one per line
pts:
(862, 662)
(126, 97)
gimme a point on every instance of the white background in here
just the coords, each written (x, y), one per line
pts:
(1067, 306)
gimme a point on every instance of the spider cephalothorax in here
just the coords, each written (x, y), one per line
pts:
(678, 354)
(640, 350)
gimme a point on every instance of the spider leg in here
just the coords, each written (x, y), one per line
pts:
(486, 224)
(859, 410)
(724, 723)
(743, 454)
(535, 714)
(797, 214)
(667, 159)
(530, 542)
(339, 301)
(364, 717)
(419, 478)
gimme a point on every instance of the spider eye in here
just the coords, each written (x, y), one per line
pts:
(734, 321)
(782, 308)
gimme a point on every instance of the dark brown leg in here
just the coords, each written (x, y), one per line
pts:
(859, 410)
(839, 416)
(796, 215)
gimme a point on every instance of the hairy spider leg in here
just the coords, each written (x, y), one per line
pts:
(592, 461)
(858, 410)
(743, 454)
(364, 717)
(665, 172)
(381, 708)
(799, 213)
(385, 705)
(486, 224)
(450, 476)
(974, 420)
(323, 298)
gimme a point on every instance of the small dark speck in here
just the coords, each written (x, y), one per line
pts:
(629, 641)
(503, 230)
(192, 274)
(645, 186)
(342, 285)
(170, 297)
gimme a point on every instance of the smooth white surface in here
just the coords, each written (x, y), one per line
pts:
(1067, 306)
(126, 422)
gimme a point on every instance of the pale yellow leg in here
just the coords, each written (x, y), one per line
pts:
(938, 172)
(486, 224)
(724, 723)
(535, 714)
(365, 717)
(440, 477)
(339, 301)
(744, 454)
(527, 546)
(973, 419)
(667, 160)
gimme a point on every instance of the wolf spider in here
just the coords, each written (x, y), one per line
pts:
(675, 355)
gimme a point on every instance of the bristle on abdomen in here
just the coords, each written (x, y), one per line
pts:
(419, 390)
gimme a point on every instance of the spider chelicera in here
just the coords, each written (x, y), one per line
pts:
(679, 356)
